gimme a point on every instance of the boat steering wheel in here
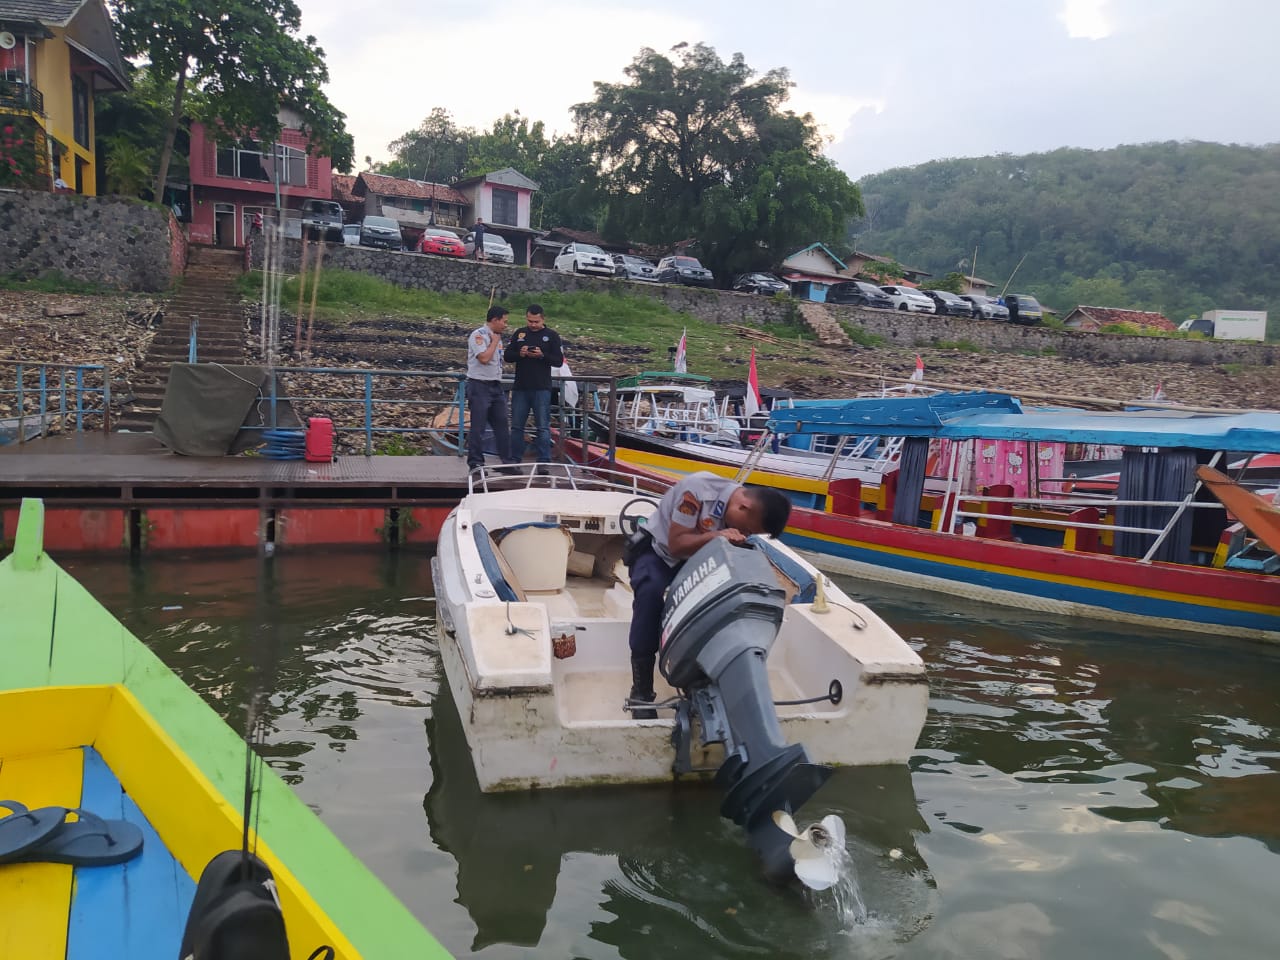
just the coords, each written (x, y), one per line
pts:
(629, 522)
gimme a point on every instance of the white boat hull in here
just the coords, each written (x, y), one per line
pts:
(532, 720)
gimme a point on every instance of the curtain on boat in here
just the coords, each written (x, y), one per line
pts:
(911, 464)
(1167, 475)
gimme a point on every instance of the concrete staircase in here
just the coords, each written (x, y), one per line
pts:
(828, 330)
(208, 294)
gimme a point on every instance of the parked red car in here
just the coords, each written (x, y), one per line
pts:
(442, 242)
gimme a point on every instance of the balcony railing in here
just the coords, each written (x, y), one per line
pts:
(15, 95)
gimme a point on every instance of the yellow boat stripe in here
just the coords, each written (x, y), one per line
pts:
(35, 898)
(1023, 573)
(681, 466)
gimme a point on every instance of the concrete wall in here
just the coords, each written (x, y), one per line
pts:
(517, 285)
(118, 243)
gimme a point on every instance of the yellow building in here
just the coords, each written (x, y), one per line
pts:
(56, 56)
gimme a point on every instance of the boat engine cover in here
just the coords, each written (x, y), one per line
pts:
(719, 586)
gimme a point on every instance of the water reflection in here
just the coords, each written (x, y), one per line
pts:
(665, 860)
(1080, 790)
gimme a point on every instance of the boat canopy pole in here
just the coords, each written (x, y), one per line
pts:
(753, 458)
(1182, 508)
(835, 458)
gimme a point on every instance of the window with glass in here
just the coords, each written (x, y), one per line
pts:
(80, 111)
(506, 203)
(248, 161)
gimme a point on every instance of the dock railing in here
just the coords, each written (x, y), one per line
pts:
(423, 404)
(42, 396)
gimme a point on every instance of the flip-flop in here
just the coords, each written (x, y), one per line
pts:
(89, 841)
(24, 829)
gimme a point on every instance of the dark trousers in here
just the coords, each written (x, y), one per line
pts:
(487, 405)
(537, 402)
(650, 577)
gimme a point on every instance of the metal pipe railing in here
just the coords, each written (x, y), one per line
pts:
(370, 390)
(60, 396)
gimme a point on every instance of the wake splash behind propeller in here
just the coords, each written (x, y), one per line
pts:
(817, 850)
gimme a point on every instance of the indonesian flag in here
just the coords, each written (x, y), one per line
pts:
(918, 376)
(1158, 392)
(680, 365)
(751, 404)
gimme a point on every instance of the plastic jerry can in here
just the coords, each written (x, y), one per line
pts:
(319, 440)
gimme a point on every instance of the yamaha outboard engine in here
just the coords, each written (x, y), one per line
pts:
(722, 614)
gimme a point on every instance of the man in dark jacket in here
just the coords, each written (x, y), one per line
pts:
(535, 350)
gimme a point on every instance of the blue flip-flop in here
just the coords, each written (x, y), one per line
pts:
(88, 841)
(25, 829)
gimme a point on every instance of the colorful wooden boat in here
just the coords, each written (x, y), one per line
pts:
(90, 718)
(1160, 552)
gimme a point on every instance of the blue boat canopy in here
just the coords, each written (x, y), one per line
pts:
(990, 416)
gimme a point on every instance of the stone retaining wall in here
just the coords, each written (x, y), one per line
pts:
(116, 242)
(515, 285)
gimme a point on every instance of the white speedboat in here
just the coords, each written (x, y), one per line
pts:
(534, 608)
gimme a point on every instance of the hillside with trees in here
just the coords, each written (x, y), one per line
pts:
(1176, 227)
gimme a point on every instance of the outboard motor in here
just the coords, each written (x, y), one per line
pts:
(722, 614)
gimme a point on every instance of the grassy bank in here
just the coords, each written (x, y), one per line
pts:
(615, 317)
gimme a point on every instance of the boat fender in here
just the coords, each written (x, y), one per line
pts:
(235, 914)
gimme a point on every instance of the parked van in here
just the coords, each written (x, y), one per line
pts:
(1023, 308)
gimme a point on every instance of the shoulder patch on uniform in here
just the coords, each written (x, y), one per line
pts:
(520, 335)
(480, 339)
(689, 505)
(707, 523)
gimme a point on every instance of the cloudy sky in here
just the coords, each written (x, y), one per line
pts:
(891, 83)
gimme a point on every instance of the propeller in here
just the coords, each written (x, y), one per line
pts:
(812, 848)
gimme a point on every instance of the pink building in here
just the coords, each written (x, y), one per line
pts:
(231, 180)
(502, 199)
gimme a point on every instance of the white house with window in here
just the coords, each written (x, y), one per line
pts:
(234, 178)
(502, 199)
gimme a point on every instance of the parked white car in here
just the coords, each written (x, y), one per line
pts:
(908, 298)
(496, 248)
(584, 258)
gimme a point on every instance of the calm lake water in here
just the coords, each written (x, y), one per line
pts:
(1079, 791)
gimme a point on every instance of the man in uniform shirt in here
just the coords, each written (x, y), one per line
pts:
(535, 350)
(699, 508)
(486, 403)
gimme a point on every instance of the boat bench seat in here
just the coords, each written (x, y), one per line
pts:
(537, 555)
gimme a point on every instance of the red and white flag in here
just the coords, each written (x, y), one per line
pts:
(1158, 392)
(752, 403)
(918, 376)
(680, 364)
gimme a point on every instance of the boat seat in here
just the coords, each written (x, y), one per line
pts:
(797, 583)
(496, 568)
(537, 554)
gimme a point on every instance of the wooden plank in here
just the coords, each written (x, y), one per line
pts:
(35, 896)
(137, 909)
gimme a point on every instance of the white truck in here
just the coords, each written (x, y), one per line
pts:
(1232, 324)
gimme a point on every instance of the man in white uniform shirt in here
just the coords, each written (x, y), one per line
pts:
(486, 401)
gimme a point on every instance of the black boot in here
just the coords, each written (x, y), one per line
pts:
(642, 685)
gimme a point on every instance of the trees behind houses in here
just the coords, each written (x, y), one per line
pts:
(247, 62)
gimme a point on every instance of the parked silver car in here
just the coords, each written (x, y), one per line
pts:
(380, 232)
(986, 308)
(496, 248)
(634, 268)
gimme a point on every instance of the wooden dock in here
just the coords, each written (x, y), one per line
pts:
(126, 492)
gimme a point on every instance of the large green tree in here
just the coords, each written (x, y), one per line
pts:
(437, 150)
(247, 60)
(692, 147)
